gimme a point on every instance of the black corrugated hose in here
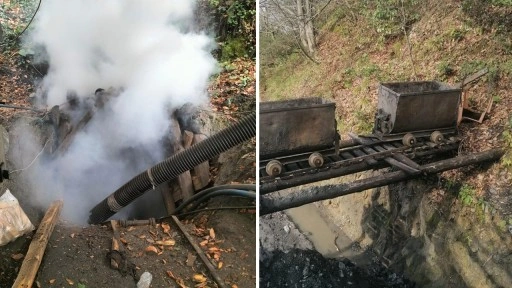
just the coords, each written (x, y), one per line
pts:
(173, 166)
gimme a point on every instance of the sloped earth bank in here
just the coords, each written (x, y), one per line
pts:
(451, 230)
(416, 229)
(77, 256)
(421, 229)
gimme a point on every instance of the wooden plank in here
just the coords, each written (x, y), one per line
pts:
(115, 242)
(66, 142)
(167, 195)
(37, 247)
(173, 192)
(185, 185)
(200, 173)
(472, 78)
(2, 146)
(188, 138)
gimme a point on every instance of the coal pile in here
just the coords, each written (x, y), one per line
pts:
(308, 268)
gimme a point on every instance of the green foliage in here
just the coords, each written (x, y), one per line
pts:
(457, 34)
(445, 70)
(15, 16)
(233, 48)
(363, 117)
(506, 160)
(467, 195)
(485, 14)
(236, 26)
(502, 2)
(470, 67)
(275, 47)
(390, 17)
(370, 70)
(502, 225)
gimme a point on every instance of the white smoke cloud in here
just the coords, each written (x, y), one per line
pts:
(147, 48)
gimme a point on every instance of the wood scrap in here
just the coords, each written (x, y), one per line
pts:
(37, 247)
(115, 242)
(466, 112)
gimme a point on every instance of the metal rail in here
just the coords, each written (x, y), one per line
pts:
(288, 199)
(364, 154)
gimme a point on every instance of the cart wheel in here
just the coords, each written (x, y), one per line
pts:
(436, 137)
(409, 140)
(274, 168)
(316, 160)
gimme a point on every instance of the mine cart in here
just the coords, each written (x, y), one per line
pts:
(305, 125)
(416, 109)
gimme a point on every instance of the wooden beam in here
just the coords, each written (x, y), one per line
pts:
(37, 247)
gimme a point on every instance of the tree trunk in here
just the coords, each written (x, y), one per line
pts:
(308, 26)
(301, 22)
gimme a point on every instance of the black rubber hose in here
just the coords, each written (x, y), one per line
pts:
(246, 187)
(224, 192)
(173, 166)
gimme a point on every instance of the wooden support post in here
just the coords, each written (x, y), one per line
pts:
(282, 200)
(184, 183)
(37, 247)
(188, 138)
(115, 242)
(68, 139)
(169, 201)
(200, 173)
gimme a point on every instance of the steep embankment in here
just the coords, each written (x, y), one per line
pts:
(453, 230)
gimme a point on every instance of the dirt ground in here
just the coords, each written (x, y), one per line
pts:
(79, 256)
(289, 259)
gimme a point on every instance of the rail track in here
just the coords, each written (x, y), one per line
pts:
(358, 154)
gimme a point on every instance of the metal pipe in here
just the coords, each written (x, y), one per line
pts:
(251, 187)
(226, 192)
(244, 187)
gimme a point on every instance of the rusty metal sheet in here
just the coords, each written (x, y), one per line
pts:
(296, 126)
(416, 106)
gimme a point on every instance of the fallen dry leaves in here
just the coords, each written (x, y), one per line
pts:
(234, 88)
(165, 242)
(166, 228)
(17, 256)
(199, 278)
(152, 249)
(178, 281)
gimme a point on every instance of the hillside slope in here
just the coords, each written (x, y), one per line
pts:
(465, 214)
